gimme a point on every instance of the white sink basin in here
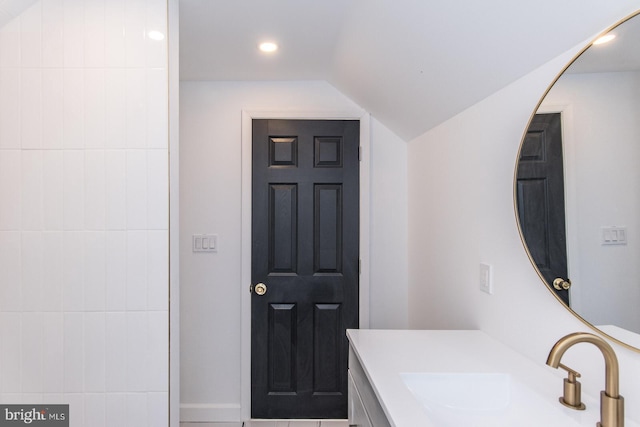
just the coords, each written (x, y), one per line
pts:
(481, 400)
(483, 392)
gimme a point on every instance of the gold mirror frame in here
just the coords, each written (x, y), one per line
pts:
(515, 197)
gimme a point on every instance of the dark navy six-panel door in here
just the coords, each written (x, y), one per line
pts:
(305, 236)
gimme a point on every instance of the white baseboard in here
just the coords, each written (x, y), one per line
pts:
(210, 412)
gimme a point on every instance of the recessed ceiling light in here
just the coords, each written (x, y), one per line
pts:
(155, 35)
(604, 39)
(268, 47)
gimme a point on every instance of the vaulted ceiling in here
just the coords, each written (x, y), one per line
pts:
(411, 63)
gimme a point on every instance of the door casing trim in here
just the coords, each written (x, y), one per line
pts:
(365, 208)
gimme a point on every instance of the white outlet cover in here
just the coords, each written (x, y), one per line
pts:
(485, 278)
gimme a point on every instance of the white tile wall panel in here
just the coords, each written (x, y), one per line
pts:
(157, 114)
(76, 401)
(52, 33)
(52, 346)
(156, 50)
(115, 33)
(84, 218)
(10, 174)
(94, 33)
(52, 270)
(73, 108)
(73, 190)
(157, 360)
(116, 189)
(32, 264)
(116, 271)
(116, 352)
(115, 113)
(157, 270)
(95, 409)
(31, 37)
(95, 271)
(156, 21)
(73, 33)
(157, 189)
(53, 189)
(136, 410)
(94, 190)
(31, 108)
(136, 119)
(73, 274)
(73, 350)
(135, 26)
(9, 107)
(94, 361)
(137, 351)
(157, 408)
(136, 189)
(55, 398)
(31, 189)
(115, 404)
(94, 107)
(11, 398)
(10, 271)
(10, 44)
(136, 270)
(31, 352)
(53, 113)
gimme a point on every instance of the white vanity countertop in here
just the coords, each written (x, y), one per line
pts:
(386, 354)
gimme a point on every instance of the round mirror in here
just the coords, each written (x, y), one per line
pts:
(577, 181)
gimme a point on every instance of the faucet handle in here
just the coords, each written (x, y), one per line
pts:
(572, 390)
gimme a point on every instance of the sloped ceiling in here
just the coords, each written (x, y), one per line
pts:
(412, 63)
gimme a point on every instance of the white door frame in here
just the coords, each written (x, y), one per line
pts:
(365, 203)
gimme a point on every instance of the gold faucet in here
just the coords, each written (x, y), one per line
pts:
(611, 403)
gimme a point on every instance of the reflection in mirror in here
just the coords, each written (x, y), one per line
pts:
(578, 173)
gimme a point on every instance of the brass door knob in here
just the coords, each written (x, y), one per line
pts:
(561, 284)
(260, 289)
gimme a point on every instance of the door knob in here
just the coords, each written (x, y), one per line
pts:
(561, 284)
(260, 289)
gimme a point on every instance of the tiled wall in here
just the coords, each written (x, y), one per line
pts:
(84, 210)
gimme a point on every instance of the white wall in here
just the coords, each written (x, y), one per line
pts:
(84, 211)
(389, 262)
(601, 156)
(461, 213)
(210, 191)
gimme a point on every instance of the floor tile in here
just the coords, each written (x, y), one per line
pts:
(185, 424)
(238, 424)
(274, 423)
(334, 423)
(304, 423)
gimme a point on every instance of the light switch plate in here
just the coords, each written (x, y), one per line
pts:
(614, 235)
(485, 278)
(204, 242)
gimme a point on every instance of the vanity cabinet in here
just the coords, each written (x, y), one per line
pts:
(364, 408)
(392, 372)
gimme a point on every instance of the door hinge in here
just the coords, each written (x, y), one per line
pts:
(360, 153)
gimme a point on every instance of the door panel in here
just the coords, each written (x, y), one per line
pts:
(283, 230)
(305, 203)
(540, 194)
